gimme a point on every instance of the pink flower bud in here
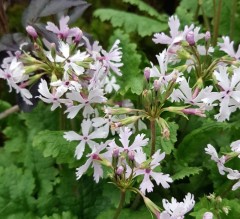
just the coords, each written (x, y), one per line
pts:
(147, 73)
(115, 152)
(131, 155)
(208, 215)
(120, 170)
(193, 111)
(31, 31)
(156, 85)
(190, 38)
(207, 35)
(78, 35)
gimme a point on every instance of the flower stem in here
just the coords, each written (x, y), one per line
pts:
(217, 15)
(232, 18)
(121, 202)
(153, 136)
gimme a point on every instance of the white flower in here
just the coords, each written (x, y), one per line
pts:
(184, 93)
(229, 97)
(177, 210)
(86, 137)
(13, 73)
(64, 85)
(235, 146)
(94, 158)
(124, 135)
(48, 97)
(175, 35)
(227, 47)
(234, 175)
(94, 96)
(214, 156)
(112, 59)
(110, 85)
(147, 171)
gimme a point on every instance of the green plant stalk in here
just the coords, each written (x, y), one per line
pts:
(153, 136)
(121, 202)
(232, 18)
(217, 15)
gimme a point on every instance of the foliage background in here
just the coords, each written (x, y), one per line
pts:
(37, 167)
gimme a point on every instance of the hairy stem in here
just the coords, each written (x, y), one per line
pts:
(8, 112)
(153, 136)
(121, 202)
(217, 15)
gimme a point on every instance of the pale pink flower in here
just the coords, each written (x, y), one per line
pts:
(214, 156)
(148, 171)
(94, 158)
(64, 85)
(86, 137)
(112, 59)
(234, 175)
(229, 96)
(175, 209)
(13, 73)
(208, 215)
(228, 48)
(63, 31)
(124, 135)
(94, 96)
(48, 97)
(185, 93)
(175, 34)
(110, 84)
(235, 146)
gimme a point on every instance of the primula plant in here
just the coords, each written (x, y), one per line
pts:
(135, 141)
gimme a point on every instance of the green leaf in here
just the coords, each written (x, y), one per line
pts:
(191, 148)
(63, 215)
(142, 6)
(132, 78)
(16, 189)
(186, 172)
(144, 26)
(167, 144)
(52, 144)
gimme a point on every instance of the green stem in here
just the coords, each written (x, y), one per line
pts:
(232, 18)
(153, 136)
(217, 15)
(121, 202)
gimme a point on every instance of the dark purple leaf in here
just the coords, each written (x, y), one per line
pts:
(55, 6)
(32, 12)
(11, 42)
(77, 12)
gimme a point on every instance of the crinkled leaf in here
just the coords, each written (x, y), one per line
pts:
(63, 215)
(186, 172)
(130, 22)
(148, 9)
(193, 144)
(52, 144)
(167, 144)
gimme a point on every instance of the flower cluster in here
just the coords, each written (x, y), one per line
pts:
(71, 74)
(231, 174)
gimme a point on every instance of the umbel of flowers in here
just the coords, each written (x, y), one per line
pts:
(81, 76)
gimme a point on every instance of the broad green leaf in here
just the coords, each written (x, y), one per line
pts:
(130, 22)
(142, 6)
(63, 215)
(186, 172)
(167, 144)
(191, 148)
(52, 144)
